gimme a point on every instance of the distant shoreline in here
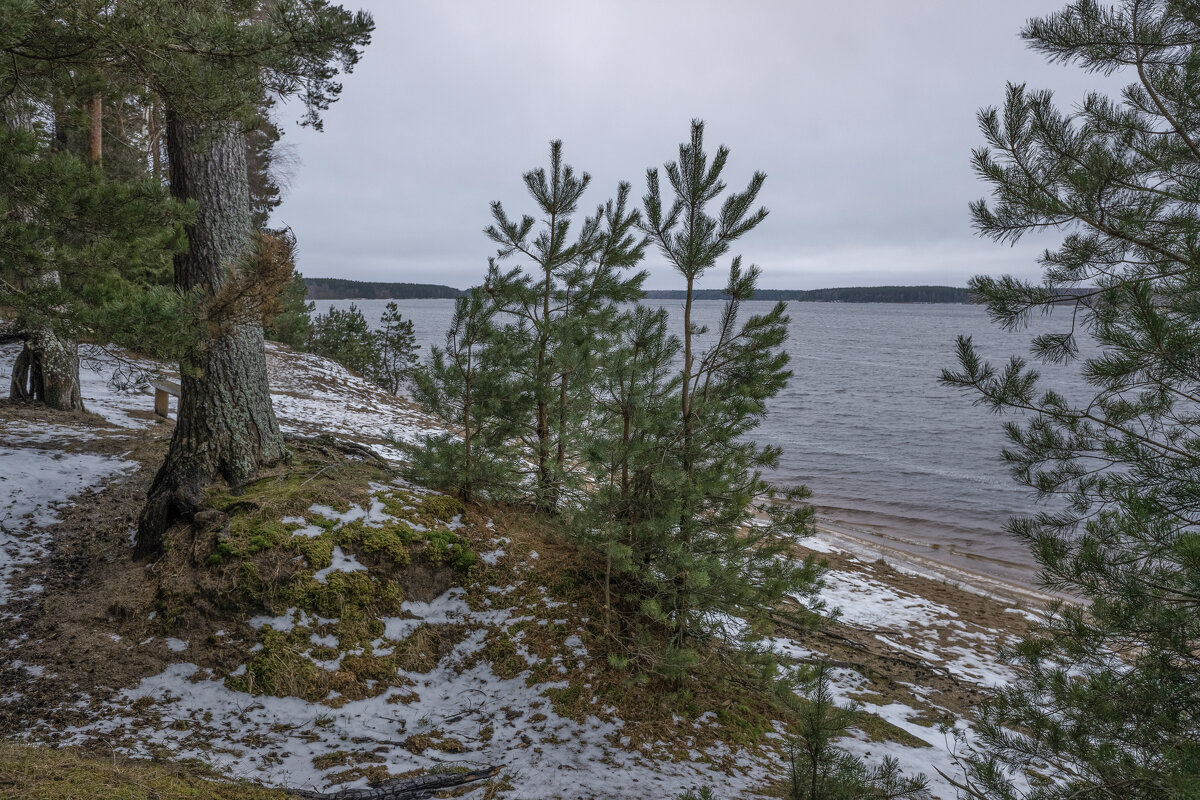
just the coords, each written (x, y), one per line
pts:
(342, 289)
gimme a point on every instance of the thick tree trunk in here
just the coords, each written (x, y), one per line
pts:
(47, 371)
(226, 425)
(20, 389)
(95, 129)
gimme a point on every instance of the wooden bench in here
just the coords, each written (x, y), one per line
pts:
(163, 390)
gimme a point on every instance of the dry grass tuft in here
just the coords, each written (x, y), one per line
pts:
(40, 773)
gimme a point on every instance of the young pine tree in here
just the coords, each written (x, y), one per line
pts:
(345, 336)
(1106, 703)
(396, 346)
(629, 516)
(563, 303)
(716, 563)
(470, 386)
(820, 770)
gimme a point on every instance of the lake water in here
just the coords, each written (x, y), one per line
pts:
(887, 451)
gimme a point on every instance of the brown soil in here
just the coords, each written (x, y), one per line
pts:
(91, 585)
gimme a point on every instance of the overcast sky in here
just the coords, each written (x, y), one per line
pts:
(862, 114)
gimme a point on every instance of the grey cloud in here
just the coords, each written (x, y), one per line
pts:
(862, 115)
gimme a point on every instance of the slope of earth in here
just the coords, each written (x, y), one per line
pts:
(336, 626)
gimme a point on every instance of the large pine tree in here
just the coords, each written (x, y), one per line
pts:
(211, 62)
(1107, 699)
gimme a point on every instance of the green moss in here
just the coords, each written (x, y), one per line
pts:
(399, 503)
(221, 552)
(439, 507)
(389, 541)
(324, 653)
(343, 593)
(280, 668)
(250, 581)
(371, 668)
(566, 700)
(501, 652)
(425, 509)
(317, 550)
(324, 522)
(446, 547)
(290, 492)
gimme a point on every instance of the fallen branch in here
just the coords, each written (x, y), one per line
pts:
(325, 442)
(416, 788)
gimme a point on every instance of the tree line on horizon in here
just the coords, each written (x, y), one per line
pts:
(345, 289)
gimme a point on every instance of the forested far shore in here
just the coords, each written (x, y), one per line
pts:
(342, 289)
(850, 294)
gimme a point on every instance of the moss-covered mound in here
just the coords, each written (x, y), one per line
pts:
(296, 575)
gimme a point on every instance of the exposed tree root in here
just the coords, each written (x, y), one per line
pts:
(324, 443)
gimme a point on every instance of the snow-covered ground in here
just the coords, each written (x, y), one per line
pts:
(33, 481)
(315, 395)
(486, 719)
(276, 739)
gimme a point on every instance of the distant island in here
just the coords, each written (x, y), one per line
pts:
(342, 289)
(850, 294)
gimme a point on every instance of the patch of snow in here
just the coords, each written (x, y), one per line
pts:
(33, 483)
(313, 394)
(340, 563)
(20, 432)
(176, 645)
(284, 623)
(308, 532)
(869, 603)
(328, 640)
(114, 403)
(328, 512)
(558, 757)
(35, 670)
(492, 557)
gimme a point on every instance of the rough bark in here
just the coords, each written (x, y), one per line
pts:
(20, 388)
(47, 371)
(95, 129)
(226, 426)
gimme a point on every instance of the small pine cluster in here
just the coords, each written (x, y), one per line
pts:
(386, 355)
(567, 396)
